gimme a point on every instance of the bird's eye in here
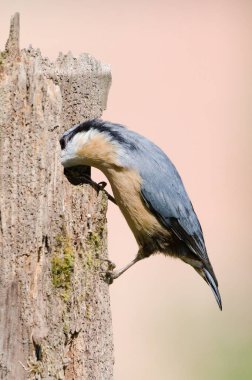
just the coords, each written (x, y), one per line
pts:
(62, 143)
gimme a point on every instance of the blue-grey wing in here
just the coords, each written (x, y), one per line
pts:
(164, 193)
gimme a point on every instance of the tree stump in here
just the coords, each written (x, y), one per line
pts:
(55, 318)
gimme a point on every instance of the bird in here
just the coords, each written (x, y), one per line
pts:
(148, 190)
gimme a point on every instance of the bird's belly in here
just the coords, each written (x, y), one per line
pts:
(126, 186)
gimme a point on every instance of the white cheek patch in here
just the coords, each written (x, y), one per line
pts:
(69, 155)
(82, 138)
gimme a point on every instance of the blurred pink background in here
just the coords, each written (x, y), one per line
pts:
(182, 76)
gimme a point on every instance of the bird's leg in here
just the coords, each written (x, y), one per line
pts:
(118, 272)
(110, 276)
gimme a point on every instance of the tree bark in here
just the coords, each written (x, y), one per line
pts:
(55, 319)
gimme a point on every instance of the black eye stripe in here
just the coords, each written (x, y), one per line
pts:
(62, 143)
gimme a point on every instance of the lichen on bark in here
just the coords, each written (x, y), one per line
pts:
(62, 264)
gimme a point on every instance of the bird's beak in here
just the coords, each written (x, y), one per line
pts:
(78, 175)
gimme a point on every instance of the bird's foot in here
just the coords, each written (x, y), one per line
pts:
(110, 265)
(102, 185)
(109, 274)
(107, 277)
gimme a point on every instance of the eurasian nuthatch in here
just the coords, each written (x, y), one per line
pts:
(148, 190)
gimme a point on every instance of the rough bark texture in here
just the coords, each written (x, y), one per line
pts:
(55, 320)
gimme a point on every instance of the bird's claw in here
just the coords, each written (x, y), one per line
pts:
(110, 265)
(102, 185)
(107, 277)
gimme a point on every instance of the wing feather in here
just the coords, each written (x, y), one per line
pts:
(165, 195)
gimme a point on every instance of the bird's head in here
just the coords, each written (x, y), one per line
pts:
(89, 143)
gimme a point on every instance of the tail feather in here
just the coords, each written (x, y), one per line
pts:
(205, 270)
(212, 283)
